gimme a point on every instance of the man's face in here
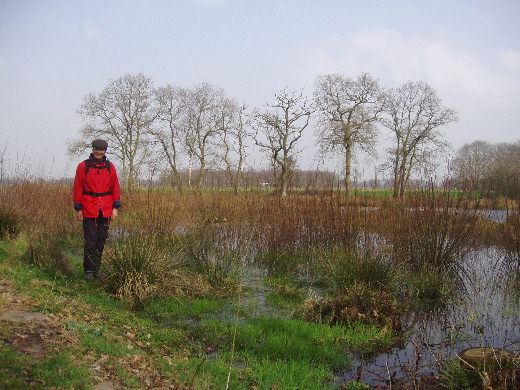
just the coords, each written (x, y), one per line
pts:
(98, 153)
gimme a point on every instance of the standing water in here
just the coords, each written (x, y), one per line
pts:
(485, 315)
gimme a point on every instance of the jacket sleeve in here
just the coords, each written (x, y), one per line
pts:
(79, 182)
(116, 190)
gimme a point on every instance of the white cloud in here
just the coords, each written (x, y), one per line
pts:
(509, 59)
(395, 58)
(483, 87)
(2, 63)
(405, 58)
(210, 3)
(92, 32)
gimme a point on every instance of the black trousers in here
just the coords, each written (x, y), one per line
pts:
(95, 233)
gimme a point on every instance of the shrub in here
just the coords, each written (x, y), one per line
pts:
(436, 235)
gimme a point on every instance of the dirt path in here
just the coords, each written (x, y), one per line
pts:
(30, 332)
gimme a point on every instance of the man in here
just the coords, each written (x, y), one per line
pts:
(96, 199)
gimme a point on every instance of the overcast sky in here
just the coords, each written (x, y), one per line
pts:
(53, 53)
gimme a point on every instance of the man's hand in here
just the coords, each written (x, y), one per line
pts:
(79, 215)
(114, 214)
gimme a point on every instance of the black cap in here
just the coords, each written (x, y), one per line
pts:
(100, 144)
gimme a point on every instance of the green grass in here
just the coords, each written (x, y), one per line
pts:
(57, 370)
(184, 341)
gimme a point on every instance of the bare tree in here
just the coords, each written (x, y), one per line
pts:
(233, 141)
(472, 164)
(123, 114)
(172, 105)
(278, 131)
(414, 114)
(504, 177)
(483, 166)
(348, 112)
(202, 123)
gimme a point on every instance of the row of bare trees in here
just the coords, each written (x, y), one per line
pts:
(172, 129)
(488, 168)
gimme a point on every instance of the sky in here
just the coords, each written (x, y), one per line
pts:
(55, 52)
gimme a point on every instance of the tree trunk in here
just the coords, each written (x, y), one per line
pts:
(348, 159)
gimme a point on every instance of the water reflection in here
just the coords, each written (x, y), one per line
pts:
(484, 315)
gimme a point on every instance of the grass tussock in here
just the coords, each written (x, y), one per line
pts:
(217, 256)
(45, 251)
(342, 267)
(140, 267)
(433, 235)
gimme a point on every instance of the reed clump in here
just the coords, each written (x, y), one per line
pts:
(433, 234)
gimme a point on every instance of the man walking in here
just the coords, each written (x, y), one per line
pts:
(96, 198)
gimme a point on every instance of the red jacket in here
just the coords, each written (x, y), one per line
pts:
(96, 190)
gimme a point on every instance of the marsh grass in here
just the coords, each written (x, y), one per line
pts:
(219, 261)
(510, 240)
(45, 251)
(9, 223)
(285, 295)
(430, 288)
(170, 252)
(286, 261)
(357, 303)
(492, 373)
